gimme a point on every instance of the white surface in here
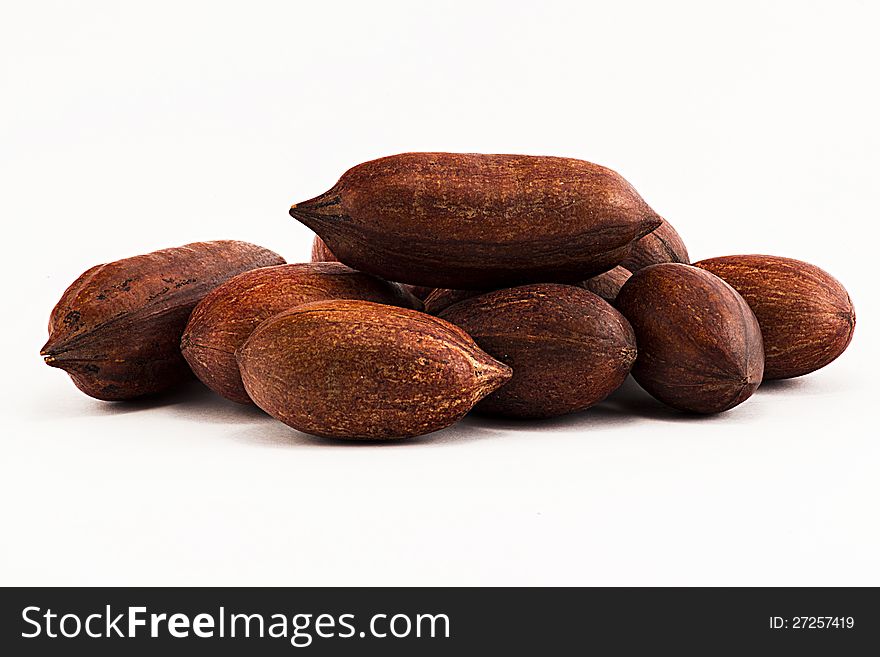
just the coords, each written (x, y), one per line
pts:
(128, 127)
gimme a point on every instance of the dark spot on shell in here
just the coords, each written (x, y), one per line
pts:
(158, 294)
(72, 318)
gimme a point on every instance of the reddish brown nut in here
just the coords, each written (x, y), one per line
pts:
(806, 316)
(663, 244)
(699, 343)
(568, 348)
(355, 369)
(607, 285)
(320, 252)
(470, 221)
(225, 318)
(116, 330)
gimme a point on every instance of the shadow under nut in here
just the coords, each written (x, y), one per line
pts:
(321, 253)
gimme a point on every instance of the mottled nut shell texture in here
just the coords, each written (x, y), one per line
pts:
(663, 244)
(320, 253)
(699, 343)
(116, 330)
(225, 318)
(471, 221)
(360, 370)
(806, 316)
(568, 348)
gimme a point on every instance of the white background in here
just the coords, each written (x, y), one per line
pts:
(128, 127)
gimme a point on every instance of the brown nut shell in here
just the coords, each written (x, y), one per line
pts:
(360, 370)
(321, 253)
(568, 348)
(225, 318)
(116, 330)
(608, 284)
(471, 221)
(807, 318)
(663, 244)
(700, 346)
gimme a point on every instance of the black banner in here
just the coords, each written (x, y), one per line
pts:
(417, 621)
